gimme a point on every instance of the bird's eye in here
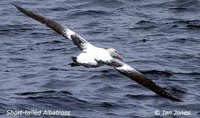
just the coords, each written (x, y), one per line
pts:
(115, 51)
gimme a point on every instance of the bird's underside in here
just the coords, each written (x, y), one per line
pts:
(93, 56)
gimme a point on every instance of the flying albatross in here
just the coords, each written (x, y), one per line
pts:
(93, 56)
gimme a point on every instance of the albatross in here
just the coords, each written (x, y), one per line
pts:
(92, 56)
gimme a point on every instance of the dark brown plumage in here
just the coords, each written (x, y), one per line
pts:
(77, 40)
(142, 80)
(49, 23)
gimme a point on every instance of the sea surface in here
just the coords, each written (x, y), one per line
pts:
(159, 38)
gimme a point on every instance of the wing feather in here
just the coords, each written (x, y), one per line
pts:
(141, 79)
(67, 33)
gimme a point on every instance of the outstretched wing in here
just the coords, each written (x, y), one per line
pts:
(67, 33)
(133, 74)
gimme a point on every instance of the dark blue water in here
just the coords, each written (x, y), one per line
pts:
(159, 38)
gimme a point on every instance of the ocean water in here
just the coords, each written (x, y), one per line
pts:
(160, 38)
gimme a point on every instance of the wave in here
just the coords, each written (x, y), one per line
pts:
(94, 13)
(167, 73)
(142, 97)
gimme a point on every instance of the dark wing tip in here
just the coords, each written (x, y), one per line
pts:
(49, 23)
(77, 40)
(14, 5)
(39, 18)
(178, 100)
(142, 80)
(173, 98)
(167, 95)
(19, 8)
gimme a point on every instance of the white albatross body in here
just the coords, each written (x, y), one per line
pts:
(90, 58)
(93, 56)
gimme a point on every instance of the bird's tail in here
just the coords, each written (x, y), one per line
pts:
(74, 63)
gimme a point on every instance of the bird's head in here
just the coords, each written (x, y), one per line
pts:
(114, 54)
